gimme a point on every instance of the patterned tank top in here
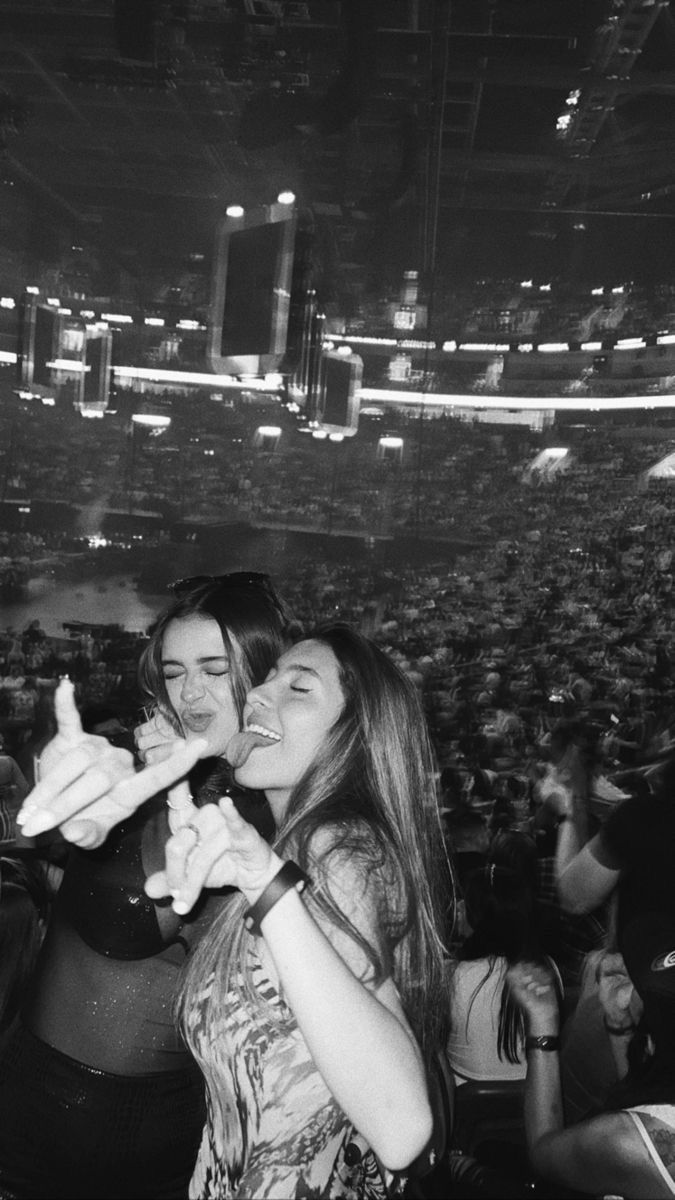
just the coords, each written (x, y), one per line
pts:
(273, 1130)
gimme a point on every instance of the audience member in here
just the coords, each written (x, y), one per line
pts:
(120, 1107)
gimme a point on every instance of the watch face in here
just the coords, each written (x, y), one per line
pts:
(546, 1042)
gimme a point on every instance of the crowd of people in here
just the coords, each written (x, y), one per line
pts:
(450, 480)
(539, 664)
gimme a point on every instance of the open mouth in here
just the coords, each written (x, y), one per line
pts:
(263, 731)
(253, 736)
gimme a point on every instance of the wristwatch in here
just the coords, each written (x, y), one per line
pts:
(547, 1041)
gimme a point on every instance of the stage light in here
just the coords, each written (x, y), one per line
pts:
(152, 419)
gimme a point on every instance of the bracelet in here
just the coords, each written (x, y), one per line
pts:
(548, 1041)
(288, 876)
(618, 1030)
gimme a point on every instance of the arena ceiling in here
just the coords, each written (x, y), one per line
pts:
(463, 135)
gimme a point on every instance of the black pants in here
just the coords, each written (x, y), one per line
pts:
(69, 1131)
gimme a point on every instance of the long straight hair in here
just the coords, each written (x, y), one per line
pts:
(500, 909)
(371, 794)
(251, 619)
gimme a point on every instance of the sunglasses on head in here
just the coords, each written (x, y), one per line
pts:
(234, 579)
(256, 581)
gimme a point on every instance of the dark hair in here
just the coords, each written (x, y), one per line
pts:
(251, 619)
(516, 851)
(500, 908)
(24, 904)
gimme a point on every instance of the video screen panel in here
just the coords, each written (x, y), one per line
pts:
(251, 283)
(339, 405)
(42, 343)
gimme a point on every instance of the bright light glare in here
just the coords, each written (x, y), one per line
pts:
(286, 197)
(67, 364)
(234, 210)
(151, 419)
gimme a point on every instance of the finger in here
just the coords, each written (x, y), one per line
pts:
(52, 800)
(234, 819)
(158, 776)
(46, 794)
(199, 864)
(86, 834)
(155, 754)
(157, 885)
(65, 710)
(181, 806)
(86, 790)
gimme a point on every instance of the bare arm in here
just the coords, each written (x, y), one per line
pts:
(583, 883)
(605, 1154)
(357, 1034)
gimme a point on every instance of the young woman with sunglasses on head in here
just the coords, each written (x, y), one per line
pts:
(316, 1000)
(99, 1096)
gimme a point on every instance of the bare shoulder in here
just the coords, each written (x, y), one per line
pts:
(600, 1155)
(354, 877)
(354, 863)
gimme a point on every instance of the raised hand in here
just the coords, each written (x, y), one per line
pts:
(620, 1002)
(88, 786)
(156, 739)
(532, 986)
(216, 849)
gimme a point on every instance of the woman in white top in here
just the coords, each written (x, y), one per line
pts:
(487, 1032)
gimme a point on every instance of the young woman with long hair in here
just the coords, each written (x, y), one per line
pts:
(486, 1030)
(316, 999)
(96, 1075)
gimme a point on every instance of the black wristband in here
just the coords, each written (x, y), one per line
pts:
(548, 1041)
(287, 877)
(618, 1030)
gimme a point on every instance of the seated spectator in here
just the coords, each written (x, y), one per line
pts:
(486, 1038)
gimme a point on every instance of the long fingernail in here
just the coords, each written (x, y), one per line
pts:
(36, 822)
